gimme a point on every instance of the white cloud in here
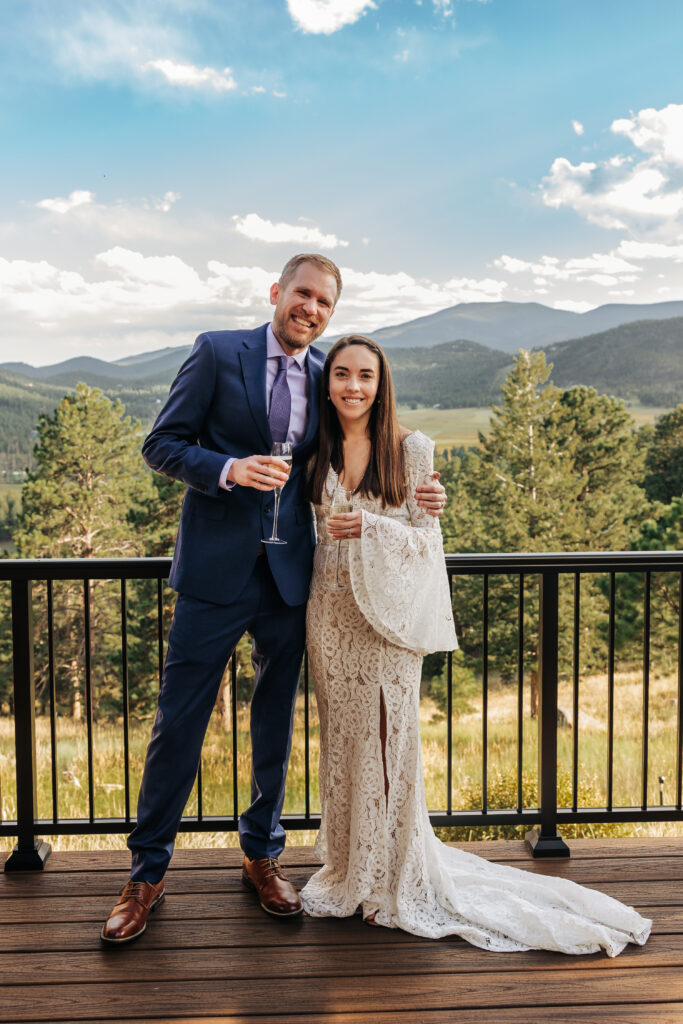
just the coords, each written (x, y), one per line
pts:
(585, 268)
(572, 306)
(259, 230)
(659, 132)
(140, 302)
(326, 16)
(165, 204)
(192, 77)
(444, 8)
(131, 41)
(635, 250)
(578, 127)
(80, 221)
(372, 300)
(643, 193)
(79, 197)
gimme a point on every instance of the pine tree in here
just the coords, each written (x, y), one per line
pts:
(664, 462)
(558, 471)
(88, 477)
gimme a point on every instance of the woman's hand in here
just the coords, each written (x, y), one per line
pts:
(345, 525)
(432, 497)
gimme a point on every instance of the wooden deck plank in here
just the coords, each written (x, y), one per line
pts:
(210, 954)
(502, 850)
(254, 928)
(311, 961)
(212, 906)
(487, 990)
(617, 1013)
(221, 879)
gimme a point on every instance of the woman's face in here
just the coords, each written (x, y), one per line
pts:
(354, 379)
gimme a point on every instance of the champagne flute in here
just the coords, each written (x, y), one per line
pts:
(341, 502)
(283, 450)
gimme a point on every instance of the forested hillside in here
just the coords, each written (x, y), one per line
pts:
(641, 361)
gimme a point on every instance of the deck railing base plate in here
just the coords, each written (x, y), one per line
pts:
(546, 846)
(29, 859)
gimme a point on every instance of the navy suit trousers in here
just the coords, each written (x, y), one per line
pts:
(201, 640)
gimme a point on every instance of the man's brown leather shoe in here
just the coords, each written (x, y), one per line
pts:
(128, 919)
(276, 893)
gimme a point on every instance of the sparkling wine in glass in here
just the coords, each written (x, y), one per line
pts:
(341, 502)
(283, 450)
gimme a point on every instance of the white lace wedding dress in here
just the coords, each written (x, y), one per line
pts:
(380, 854)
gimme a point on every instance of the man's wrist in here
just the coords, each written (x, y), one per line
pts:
(224, 480)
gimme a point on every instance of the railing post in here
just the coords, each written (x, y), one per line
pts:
(547, 842)
(30, 853)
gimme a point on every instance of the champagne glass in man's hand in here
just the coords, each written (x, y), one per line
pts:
(282, 450)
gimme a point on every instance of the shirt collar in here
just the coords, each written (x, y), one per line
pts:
(275, 349)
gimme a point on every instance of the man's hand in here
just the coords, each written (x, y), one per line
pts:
(432, 497)
(263, 472)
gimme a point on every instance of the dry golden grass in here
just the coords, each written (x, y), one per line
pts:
(108, 773)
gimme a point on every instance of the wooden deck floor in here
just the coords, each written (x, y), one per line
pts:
(210, 954)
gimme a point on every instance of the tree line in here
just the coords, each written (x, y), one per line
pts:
(559, 470)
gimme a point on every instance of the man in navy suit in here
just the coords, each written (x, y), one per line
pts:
(214, 433)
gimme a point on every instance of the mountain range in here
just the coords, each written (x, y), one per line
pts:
(455, 358)
(509, 326)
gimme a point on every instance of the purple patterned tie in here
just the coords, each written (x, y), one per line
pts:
(280, 404)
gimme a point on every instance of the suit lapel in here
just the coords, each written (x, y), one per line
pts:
(253, 361)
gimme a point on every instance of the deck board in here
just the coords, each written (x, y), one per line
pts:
(210, 954)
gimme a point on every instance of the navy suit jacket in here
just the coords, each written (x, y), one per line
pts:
(216, 408)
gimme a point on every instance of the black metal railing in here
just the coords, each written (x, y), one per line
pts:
(542, 615)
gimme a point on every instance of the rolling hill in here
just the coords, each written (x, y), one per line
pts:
(641, 361)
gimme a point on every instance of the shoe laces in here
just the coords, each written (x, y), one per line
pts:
(134, 891)
(273, 870)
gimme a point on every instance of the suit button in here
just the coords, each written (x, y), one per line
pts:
(268, 509)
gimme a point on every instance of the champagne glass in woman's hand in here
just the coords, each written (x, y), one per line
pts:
(341, 502)
(282, 450)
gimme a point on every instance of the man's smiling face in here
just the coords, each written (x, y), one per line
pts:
(303, 306)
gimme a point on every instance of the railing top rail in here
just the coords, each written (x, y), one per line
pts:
(84, 568)
(459, 564)
(566, 561)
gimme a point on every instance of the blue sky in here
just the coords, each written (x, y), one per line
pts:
(162, 160)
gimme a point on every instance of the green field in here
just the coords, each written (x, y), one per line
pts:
(452, 427)
(447, 427)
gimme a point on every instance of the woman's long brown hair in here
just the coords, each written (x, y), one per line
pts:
(385, 474)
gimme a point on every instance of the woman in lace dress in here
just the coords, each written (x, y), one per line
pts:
(366, 641)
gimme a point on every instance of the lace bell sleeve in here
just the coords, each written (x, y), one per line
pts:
(397, 568)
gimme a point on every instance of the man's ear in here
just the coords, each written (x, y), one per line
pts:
(274, 292)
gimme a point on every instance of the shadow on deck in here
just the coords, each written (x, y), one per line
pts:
(211, 954)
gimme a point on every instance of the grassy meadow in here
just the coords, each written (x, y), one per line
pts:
(449, 428)
(72, 774)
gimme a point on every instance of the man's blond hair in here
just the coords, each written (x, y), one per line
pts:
(321, 262)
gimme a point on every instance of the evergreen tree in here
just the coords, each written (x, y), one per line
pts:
(88, 478)
(663, 531)
(557, 472)
(664, 462)
(608, 461)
